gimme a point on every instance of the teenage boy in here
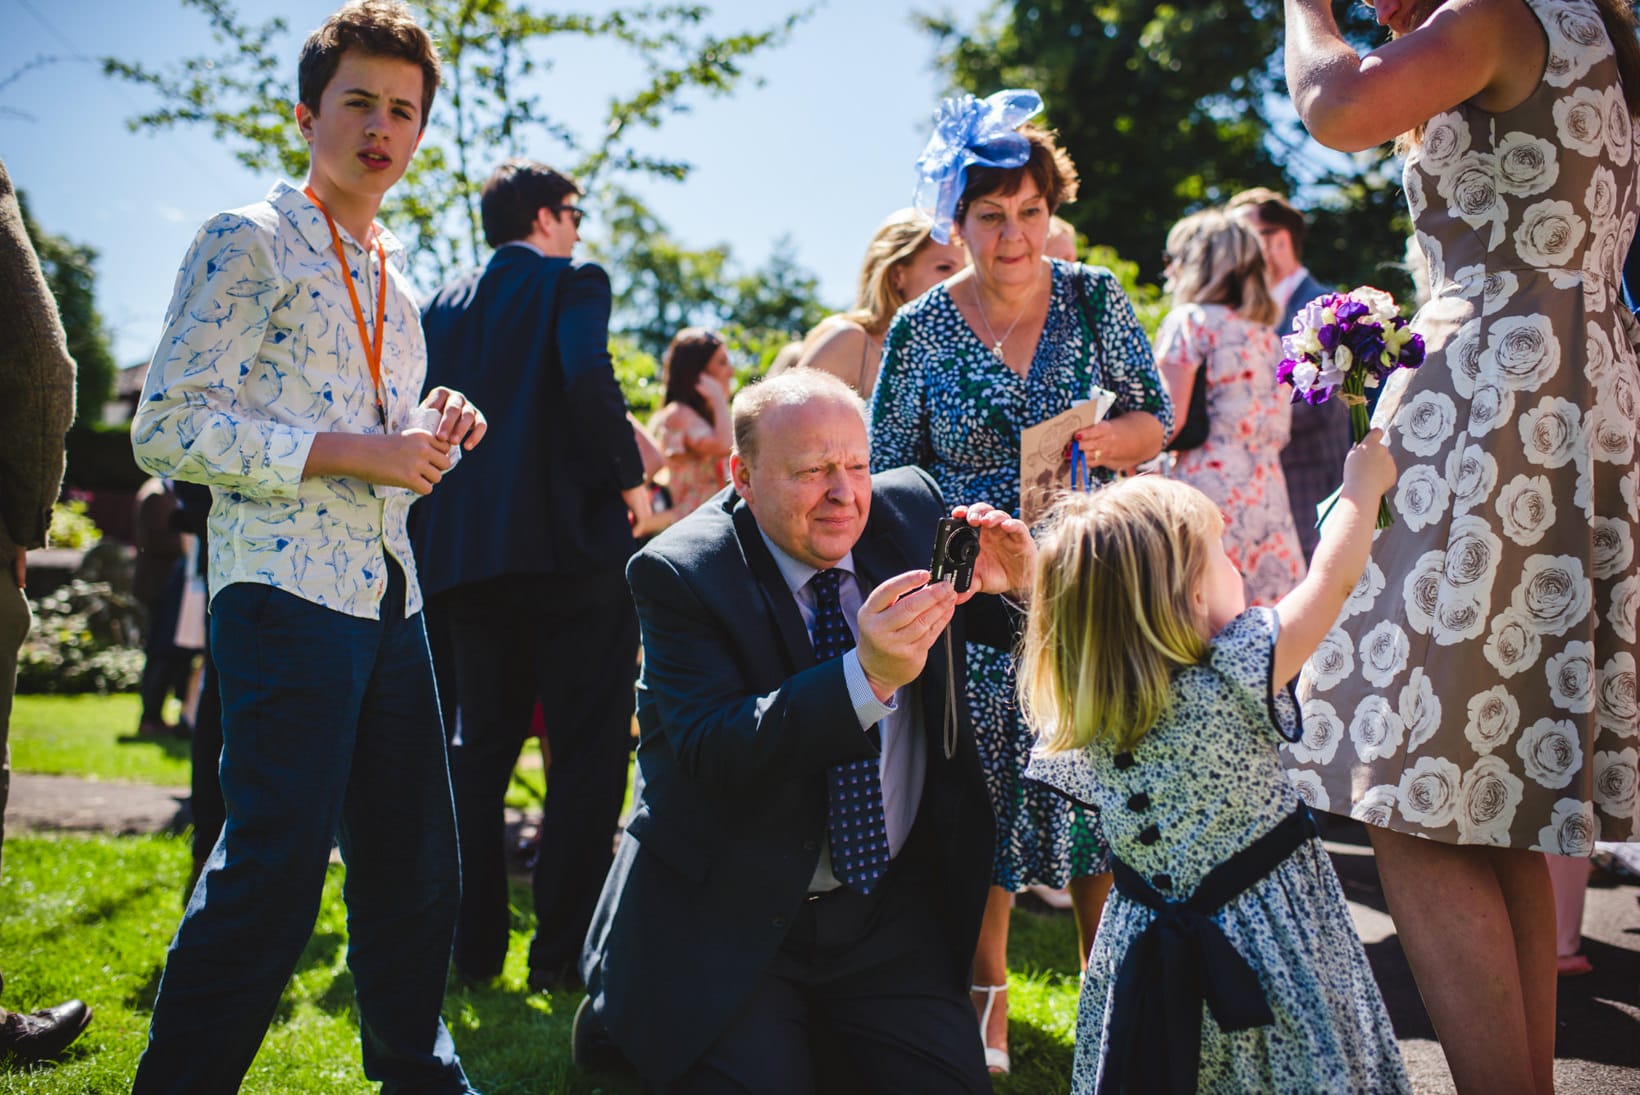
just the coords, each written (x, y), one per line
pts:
(287, 380)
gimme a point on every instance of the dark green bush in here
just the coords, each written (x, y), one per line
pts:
(85, 639)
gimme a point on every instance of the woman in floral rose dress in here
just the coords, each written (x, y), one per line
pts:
(1475, 705)
(1221, 323)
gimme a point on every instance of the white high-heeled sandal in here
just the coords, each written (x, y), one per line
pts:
(996, 1060)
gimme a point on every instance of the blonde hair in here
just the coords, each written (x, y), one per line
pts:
(1113, 613)
(1217, 261)
(896, 242)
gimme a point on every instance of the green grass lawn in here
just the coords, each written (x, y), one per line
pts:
(92, 736)
(91, 917)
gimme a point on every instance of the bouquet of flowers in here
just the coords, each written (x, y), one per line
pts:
(1343, 344)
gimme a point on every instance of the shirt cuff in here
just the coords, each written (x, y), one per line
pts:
(867, 707)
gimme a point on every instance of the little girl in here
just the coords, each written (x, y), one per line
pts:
(1226, 959)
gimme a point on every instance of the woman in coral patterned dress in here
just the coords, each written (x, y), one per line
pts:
(1475, 704)
(1221, 323)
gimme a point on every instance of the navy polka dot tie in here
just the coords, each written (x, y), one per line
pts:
(854, 821)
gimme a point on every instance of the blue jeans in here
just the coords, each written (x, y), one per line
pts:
(330, 728)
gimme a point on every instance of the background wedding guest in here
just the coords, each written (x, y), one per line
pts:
(1511, 557)
(39, 379)
(157, 583)
(692, 428)
(1313, 459)
(1218, 332)
(1010, 341)
(901, 263)
(1061, 241)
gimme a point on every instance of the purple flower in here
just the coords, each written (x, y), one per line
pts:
(1349, 310)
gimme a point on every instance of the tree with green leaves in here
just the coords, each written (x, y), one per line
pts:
(71, 272)
(1169, 107)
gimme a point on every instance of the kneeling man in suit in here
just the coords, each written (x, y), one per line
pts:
(808, 859)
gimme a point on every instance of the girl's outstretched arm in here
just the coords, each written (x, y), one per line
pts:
(1308, 612)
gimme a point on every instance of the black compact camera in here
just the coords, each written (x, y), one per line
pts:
(956, 546)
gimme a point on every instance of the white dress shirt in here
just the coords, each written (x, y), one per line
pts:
(1283, 290)
(903, 763)
(260, 354)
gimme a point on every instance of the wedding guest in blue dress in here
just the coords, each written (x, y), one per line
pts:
(1011, 341)
(1227, 960)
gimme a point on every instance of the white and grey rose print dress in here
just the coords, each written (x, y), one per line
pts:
(1479, 687)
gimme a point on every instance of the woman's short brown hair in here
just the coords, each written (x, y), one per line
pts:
(1050, 167)
(379, 28)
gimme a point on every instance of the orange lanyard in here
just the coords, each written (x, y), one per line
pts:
(372, 347)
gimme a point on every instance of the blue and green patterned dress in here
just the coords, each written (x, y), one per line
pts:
(946, 403)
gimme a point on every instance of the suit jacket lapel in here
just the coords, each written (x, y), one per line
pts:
(782, 605)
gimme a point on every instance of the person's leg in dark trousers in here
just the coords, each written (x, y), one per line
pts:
(294, 680)
(491, 631)
(398, 838)
(587, 664)
(205, 783)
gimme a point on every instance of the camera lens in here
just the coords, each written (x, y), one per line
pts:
(963, 546)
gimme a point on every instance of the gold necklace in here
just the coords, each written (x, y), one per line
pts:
(996, 343)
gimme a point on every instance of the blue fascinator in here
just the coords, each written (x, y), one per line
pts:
(969, 131)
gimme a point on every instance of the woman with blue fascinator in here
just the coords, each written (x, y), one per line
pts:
(1011, 341)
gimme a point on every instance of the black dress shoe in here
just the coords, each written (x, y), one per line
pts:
(42, 1035)
(589, 1044)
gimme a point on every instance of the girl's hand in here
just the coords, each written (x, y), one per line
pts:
(711, 390)
(1369, 470)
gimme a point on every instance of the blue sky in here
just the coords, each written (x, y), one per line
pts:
(820, 152)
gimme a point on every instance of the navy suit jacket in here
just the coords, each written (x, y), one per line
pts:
(739, 726)
(526, 338)
(1313, 460)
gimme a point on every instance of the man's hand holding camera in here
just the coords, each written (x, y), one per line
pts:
(981, 548)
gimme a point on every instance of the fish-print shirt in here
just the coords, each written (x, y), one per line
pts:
(261, 352)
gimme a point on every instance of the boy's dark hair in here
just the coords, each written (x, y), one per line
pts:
(1274, 210)
(514, 193)
(380, 28)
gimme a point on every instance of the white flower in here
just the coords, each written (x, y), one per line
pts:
(1429, 792)
(1470, 188)
(1601, 196)
(1527, 507)
(1571, 678)
(1610, 435)
(1472, 473)
(1494, 716)
(1553, 595)
(1511, 646)
(1629, 488)
(1446, 138)
(1419, 708)
(1583, 490)
(1614, 781)
(1572, 829)
(1305, 374)
(1377, 806)
(1619, 127)
(1497, 289)
(1580, 121)
(1551, 433)
(1598, 349)
(1323, 730)
(1333, 660)
(1366, 591)
(1601, 261)
(1472, 554)
(1551, 752)
(1618, 388)
(1490, 406)
(1463, 356)
(1521, 352)
(1383, 653)
(1549, 233)
(1526, 164)
(1421, 496)
(1308, 786)
(1612, 547)
(1421, 591)
(1616, 704)
(1412, 181)
(1487, 799)
(1426, 422)
(1376, 730)
(1459, 616)
(1625, 604)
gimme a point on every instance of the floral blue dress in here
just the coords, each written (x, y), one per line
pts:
(946, 403)
(1202, 785)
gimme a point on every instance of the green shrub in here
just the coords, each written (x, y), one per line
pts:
(71, 527)
(85, 639)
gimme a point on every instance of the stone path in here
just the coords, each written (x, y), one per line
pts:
(1597, 1044)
